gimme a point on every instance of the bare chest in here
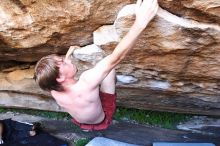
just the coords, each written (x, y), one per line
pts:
(85, 108)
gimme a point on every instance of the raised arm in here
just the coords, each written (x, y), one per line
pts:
(145, 11)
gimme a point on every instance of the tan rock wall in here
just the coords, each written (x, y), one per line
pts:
(173, 67)
(31, 29)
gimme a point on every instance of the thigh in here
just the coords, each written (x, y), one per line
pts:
(108, 84)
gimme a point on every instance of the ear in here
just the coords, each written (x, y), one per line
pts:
(60, 79)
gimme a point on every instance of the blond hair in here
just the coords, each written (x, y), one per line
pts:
(47, 72)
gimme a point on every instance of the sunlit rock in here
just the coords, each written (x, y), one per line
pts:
(89, 53)
(174, 64)
(105, 34)
(126, 79)
(32, 29)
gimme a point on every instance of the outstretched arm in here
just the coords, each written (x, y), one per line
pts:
(145, 11)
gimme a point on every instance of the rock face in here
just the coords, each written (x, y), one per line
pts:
(31, 29)
(173, 67)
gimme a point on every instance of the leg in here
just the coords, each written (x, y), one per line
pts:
(108, 84)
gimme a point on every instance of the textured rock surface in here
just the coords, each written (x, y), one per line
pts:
(173, 67)
(199, 10)
(175, 62)
(120, 131)
(100, 141)
(18, 88)
(201, 124)
(32, 29)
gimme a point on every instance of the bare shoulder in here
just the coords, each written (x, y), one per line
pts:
(55, 93)
(85, 85)
(59, 97)
(83, 77)
(65, 98)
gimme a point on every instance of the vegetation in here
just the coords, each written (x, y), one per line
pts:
(47, 114)
(81, 142)
(161, 119)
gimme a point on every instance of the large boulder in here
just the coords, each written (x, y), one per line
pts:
(173, 67)
(32, 29)
(175, 62)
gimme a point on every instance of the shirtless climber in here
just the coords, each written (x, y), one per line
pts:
(90, 100)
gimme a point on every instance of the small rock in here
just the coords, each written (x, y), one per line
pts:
(101, 141)
(126, 79)
(89, 53)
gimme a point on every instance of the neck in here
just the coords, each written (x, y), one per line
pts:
(68, 83)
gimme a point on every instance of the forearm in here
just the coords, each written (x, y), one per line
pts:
(127, 43)
(145, 11)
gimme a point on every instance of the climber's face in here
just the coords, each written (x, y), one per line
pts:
(67, 68)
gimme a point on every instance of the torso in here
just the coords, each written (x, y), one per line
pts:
(83, 104)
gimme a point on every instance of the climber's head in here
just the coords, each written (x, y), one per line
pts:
(52, 71)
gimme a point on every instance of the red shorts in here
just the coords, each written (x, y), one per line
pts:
(108, 106)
